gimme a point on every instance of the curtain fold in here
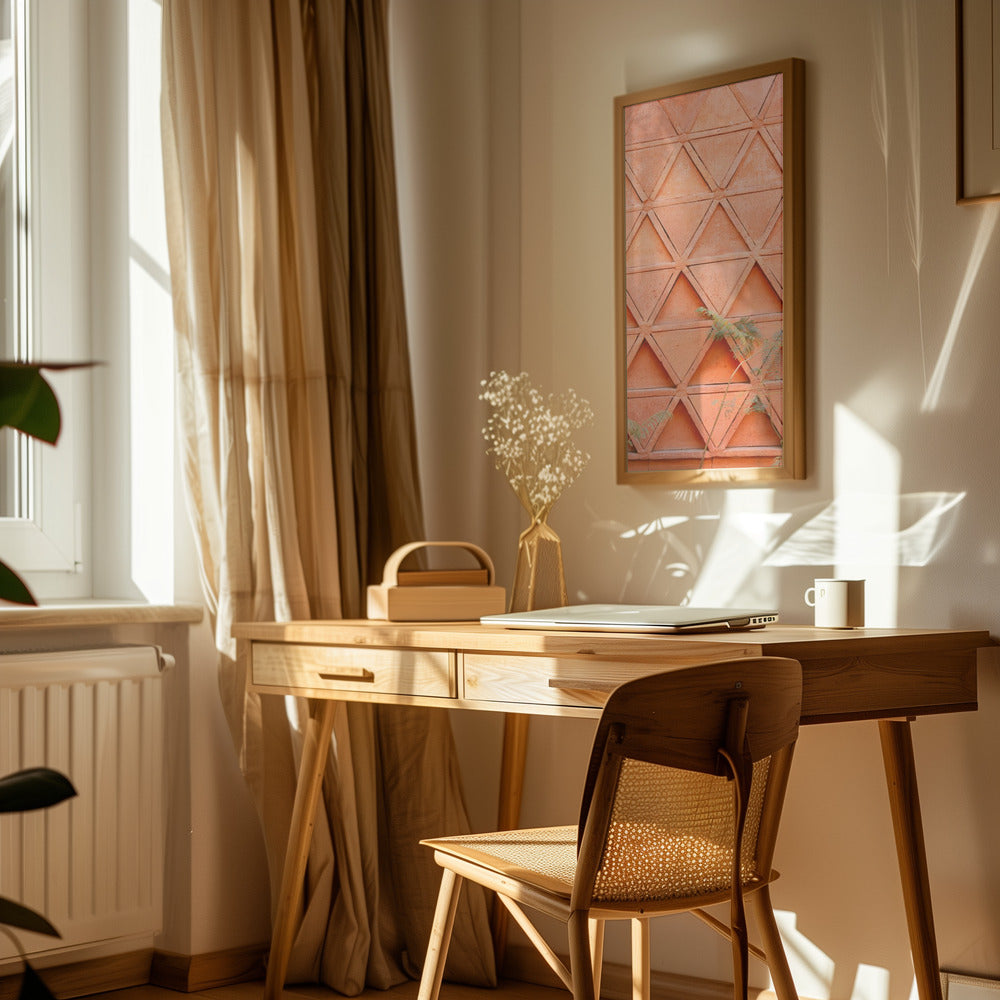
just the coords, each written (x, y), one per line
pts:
(298, 435)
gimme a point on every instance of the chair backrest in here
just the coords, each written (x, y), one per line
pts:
(687, 775)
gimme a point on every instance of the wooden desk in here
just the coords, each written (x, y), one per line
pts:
(889, 675)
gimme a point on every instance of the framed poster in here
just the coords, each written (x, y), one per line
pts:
(709, 282)
(977, 50)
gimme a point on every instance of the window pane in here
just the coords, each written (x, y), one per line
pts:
(11, 445)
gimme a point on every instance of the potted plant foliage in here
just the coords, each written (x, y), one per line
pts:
(28, 404)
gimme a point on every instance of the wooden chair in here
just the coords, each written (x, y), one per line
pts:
(680, 810)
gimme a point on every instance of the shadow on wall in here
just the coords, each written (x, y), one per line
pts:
(670, 559)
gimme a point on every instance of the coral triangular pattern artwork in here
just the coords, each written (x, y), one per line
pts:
(719, 237)
(758, 169)
(684, 180)
(646, 166)
(681, 221)
(755, 430)
(646, 247)
(774, 106)
(757, 296)
(718, 280)
(772, 264)
(680, 433)
(753, 93)
(647, 122)
(682, 303)
(718, 153)
(683, 109)
(776, 133)
(776, 241)
(756, 211)
(765, 360)
(630, 321)
(645, 370)
(719, 366)
(682, 349)
(717, 411)
(632, 199)
(721, 109)
(644, 289)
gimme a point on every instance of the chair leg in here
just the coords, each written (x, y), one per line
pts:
(597, 951)
(580, 963)
(777, 962)
(640, 959)
(437, 947)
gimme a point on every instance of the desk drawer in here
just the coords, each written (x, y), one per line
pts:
(428, 673)
(580, 682)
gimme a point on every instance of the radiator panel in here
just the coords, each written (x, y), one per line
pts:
(93, 865)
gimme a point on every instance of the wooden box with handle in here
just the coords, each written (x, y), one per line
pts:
(436, 595)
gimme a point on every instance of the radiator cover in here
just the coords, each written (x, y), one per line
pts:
(93, 865)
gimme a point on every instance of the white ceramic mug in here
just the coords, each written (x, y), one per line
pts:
(838, 603)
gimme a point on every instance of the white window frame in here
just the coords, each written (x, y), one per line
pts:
(49, 546)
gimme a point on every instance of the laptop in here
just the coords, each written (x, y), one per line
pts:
(652, 618)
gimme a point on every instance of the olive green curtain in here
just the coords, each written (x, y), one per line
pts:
(298, 436)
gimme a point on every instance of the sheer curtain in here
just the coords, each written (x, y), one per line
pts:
(299, 454)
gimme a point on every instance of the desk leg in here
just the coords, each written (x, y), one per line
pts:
(901, 780)
(515, 745)
(315, 746)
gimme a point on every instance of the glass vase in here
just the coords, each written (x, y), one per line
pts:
(539, 581)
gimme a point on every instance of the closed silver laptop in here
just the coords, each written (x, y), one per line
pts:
(654, 618)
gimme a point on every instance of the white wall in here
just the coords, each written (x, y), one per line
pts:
(504, 146)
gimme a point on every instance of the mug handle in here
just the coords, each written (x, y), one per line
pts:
(812, 591)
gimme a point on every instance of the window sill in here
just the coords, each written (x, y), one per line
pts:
(78, 614)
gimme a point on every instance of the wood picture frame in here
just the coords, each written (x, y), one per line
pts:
(977, 92)
(709, 235)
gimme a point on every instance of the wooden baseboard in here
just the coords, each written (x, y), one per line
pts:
(191, 973)
(93, 975)
(524, 964)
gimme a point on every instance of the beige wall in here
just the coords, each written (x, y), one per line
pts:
(504, 143)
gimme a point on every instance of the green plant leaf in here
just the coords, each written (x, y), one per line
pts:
(15, 915)
(27, 402)
(34, 788)
(32, 987)
(12, 587)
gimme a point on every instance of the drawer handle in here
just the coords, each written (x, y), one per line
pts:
(579, 684)
(348, 674)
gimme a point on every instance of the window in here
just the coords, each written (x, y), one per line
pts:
(44, 281)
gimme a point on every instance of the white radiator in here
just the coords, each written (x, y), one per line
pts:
(92, 865)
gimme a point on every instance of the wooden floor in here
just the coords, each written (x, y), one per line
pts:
(408, 991)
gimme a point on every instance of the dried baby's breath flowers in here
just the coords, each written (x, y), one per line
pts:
(530, 438)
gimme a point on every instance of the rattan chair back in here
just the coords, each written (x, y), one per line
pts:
(688, 767)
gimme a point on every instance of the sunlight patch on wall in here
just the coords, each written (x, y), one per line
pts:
(871, 983)
(866, 476)
(747, 524)
(987, 223)
(811, 968)
(151, 330)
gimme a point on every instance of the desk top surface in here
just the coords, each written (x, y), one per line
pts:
(799, 641)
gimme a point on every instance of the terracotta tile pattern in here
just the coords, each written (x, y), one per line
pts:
(703, 278)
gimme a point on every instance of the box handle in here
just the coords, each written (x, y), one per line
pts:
(389, 575)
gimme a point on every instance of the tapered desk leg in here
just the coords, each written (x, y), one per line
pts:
(515, 745)
(901, 779)
(315, 746)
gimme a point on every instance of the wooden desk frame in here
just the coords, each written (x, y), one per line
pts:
(888, 675)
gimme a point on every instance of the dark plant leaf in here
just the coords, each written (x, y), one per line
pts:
(32, 987)
(34, 788)
(27, 402)
(12, 587)
(15, 915)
